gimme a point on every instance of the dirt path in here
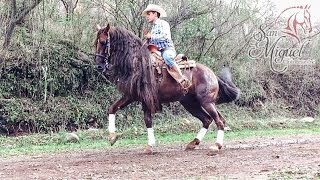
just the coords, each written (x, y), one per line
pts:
(268, 158)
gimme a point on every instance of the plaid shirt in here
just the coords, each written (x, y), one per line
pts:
(161, 35)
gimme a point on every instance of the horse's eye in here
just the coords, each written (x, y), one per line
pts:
(103, 42)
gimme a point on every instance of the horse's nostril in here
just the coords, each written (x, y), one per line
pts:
(99, 67)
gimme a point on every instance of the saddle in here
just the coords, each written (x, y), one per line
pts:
(181, 59)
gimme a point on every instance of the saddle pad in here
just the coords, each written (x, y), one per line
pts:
(187, 64)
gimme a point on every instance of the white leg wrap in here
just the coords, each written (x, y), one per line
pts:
(201, 133)
(220, 136)
(151, 139)
(112, 123)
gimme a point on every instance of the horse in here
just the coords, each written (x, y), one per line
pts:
(130, 66)
(299, 17)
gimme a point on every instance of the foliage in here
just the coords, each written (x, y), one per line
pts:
(48, 81)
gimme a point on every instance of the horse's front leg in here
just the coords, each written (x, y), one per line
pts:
(151, 138)
(121, 103)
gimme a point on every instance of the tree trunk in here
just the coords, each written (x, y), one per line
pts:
(69, 6)
(15, 18)
(8, 34)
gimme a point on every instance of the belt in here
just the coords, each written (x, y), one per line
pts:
(162, 50)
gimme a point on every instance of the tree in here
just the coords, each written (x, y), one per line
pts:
(16, 16)
(70, 6)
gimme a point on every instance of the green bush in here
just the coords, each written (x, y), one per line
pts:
(48, 81)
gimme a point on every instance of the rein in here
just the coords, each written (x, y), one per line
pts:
(106, 51)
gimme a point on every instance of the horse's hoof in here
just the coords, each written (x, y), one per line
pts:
(214, 150)
(113, 138)
(192, 145)
(148, 150)
(218, 145)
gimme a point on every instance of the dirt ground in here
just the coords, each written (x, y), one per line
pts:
(296, 157)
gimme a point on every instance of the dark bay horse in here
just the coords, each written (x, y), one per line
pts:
(131, 69)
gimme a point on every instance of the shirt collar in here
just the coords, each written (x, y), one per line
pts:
(157, 21)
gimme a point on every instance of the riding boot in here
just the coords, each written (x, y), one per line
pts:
(176, 73)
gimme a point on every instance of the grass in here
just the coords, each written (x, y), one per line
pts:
(297, 173)
(56, 143)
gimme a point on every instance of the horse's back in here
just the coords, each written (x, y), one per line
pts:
(203, 75)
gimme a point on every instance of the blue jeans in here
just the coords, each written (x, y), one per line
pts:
(168, 55)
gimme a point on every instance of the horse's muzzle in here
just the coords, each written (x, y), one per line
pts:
(101, 68)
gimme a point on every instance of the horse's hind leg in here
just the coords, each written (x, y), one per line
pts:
(222, 118)
(121, 103)
(219, 120)
(193, 106)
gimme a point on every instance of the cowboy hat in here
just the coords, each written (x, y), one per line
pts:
(156, 8)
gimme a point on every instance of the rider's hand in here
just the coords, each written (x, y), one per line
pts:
(147, 35)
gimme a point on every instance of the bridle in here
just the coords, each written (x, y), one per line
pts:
(106, 54)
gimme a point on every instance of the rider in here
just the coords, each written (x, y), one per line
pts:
(160, 36)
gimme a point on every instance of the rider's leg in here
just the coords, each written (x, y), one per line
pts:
(168, 55)
(174, 70)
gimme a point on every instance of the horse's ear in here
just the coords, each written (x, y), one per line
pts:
(107, 28)
(98, 27)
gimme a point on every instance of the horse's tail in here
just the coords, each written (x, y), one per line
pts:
(228, 92)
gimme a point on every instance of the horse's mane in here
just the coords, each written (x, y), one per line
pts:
(131, 67)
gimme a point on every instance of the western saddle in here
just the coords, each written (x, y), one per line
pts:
(181, 62)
